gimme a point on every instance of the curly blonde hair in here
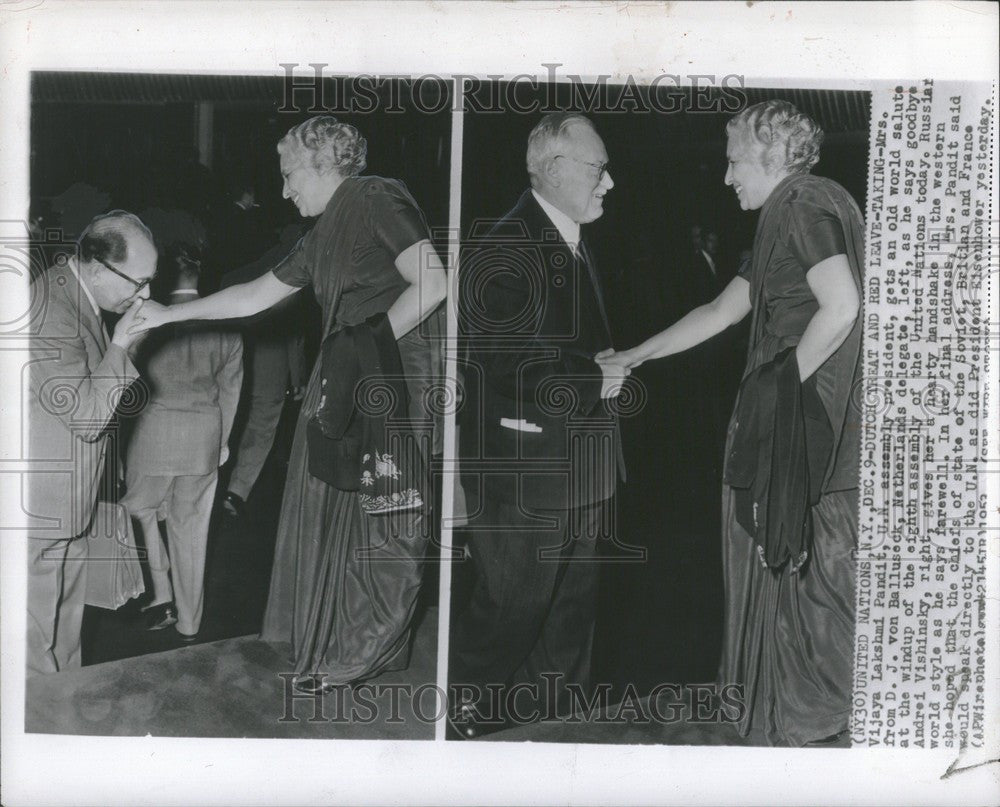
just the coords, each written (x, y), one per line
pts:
(790, 139)
(329, 143)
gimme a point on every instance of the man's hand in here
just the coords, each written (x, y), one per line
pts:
(614, 377)
(126, 330)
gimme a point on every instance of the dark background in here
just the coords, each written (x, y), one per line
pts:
(175, 142)
(135, 136)
(661, 620)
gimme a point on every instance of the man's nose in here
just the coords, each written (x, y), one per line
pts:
(607, 181)
(284, 191)
(143, 293)
(729, 175)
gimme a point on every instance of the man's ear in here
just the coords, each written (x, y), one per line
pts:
(553, 172)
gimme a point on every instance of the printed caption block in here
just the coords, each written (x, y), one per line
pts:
(925, 463)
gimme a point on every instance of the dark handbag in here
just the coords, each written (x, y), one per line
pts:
(779, 454)
(334, 432)
(334, 460)
(360, 438)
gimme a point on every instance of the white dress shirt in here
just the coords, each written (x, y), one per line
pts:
(93, 302)
(568, 229)
(711, 263)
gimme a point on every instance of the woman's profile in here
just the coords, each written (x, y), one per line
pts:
(789, 499)
(369, 260)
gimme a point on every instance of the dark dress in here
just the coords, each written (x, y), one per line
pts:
(344, 584)
(789, 638)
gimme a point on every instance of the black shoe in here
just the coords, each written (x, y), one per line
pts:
(312, 684)
(460, 725)
(465, 722)
(161, 616)
(834, 739)
(233, 505)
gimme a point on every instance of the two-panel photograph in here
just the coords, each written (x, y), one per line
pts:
(486, 413)
(238, 390)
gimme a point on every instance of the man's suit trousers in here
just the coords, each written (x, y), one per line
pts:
(532, 606)
(267, 382)
(185, 503)
(57, 585)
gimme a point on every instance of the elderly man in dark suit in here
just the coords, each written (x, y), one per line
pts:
(539, 447)
(76, 378)
(194, 373)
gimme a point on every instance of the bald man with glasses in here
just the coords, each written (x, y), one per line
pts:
(77, 375)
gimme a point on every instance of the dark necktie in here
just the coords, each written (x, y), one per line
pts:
(588, 262)
(585, 257)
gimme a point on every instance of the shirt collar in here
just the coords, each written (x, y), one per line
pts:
(568, 229)
(83, 285)
(188, 292)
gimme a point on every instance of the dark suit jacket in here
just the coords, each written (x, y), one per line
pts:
(533, 426)
(75, 380)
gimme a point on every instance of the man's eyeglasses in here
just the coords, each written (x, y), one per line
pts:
(602, 168)
(139, 284)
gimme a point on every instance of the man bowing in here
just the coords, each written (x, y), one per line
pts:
(76, 378)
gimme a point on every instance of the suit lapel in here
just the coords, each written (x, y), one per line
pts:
(88, 319)
(545, 232)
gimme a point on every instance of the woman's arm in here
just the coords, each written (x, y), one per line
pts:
(236, 302)
(421, 267)
(832, 283)
(693, 328)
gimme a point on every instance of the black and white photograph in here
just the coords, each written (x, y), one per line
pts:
(499, 402)
(223, 533)
(616, 321)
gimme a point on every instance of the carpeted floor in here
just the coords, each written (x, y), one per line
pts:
(626, 730)
(685, 718)
(237, 573)
(232, 688)
(228, 684)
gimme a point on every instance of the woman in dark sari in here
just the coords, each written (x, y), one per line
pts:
(789, 628)
(345, 581)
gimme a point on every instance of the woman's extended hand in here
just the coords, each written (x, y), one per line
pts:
(629, 359)
(152, 315)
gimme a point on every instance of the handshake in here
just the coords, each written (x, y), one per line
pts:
(615, 367)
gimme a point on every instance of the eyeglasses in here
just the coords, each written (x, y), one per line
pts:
(139, 284)
(602, 168)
